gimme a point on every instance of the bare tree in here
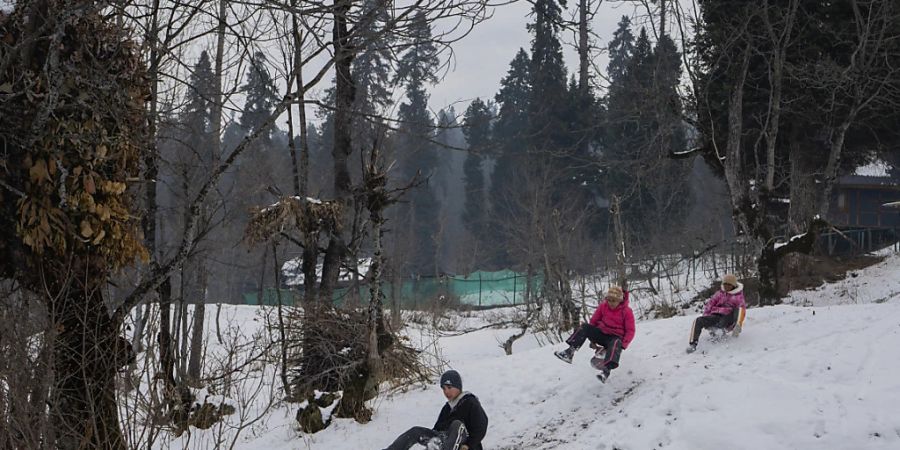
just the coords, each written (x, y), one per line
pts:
(847, 90)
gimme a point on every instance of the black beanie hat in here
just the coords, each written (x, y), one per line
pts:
(451, 378)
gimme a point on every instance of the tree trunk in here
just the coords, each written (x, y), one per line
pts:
(749, 213)
(376, 300)
(559, 293)
(780, 41)
(140, 323)
(83, 403)
(619, 245)
(181, 335)
(837, 137)
(261, 291)
(148, 223)
(194, 370)
(662, 18)
(804, 184)
(301, 170)
(397, 294)
(216, 113)
(281, 333)
(583, 43)
(166, 359)
(343, 147)
(308, 265)
(767, 267)
(216, 119)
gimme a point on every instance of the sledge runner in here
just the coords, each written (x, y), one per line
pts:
(724, 310)
(611, 327)
(461, 424)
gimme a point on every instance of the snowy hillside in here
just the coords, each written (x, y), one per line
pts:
(799, 377)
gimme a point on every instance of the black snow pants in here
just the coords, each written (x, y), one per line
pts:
(714, 321)
(611, 342)
(420, 435)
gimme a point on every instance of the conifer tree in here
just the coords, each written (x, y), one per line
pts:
(416, 153)
(477, 129)
(510, 134)
(547, 104)
(198, 110)
(620, 48)
(371, 72)
(261, 95)
(513, 98)
(643, 127)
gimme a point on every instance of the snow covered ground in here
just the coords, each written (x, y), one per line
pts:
(824, 375)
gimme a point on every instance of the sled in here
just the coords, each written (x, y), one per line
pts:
(718, 334)
(735, 329)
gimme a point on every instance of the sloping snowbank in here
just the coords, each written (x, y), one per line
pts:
(794, 380)
(875, 284)
(799, 377)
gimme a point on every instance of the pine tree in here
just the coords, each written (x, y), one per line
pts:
(644, 126)
(510, 135)
(477, 129)
(200, 95)
(547, 104)
(371, 73)
(261, 95)
(197, 114)
(513, 98)
(268, 166)
(447, 137)
(416, 153)
(620, 48)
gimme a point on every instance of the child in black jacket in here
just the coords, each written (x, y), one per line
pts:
(461, 424)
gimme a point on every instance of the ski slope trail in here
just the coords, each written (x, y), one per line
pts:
(797, 378)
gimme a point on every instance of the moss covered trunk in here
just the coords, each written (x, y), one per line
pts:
(87, 353)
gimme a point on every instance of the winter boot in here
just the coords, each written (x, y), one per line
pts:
(566, 355)
(691, 348)
(603, 375)
(456, 435)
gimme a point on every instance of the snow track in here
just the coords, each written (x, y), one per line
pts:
(811, 377)
(797, 378)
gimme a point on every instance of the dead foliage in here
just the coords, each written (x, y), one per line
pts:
(812, 271)
(307, 215)
(329, 353)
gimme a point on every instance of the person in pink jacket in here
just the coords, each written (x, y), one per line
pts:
(721, 310)
(611, 326)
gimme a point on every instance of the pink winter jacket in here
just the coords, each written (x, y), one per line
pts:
(724, 302)
(618, 321)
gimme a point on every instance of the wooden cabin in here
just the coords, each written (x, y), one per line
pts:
(863, 202)
(864, 208)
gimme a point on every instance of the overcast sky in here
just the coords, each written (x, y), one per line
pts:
(481, 59)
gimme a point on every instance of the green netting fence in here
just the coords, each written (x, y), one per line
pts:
(270, 297)
(480, 288)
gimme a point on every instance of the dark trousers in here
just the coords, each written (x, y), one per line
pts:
(422, 436)
(612, 343)
(713, 321)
